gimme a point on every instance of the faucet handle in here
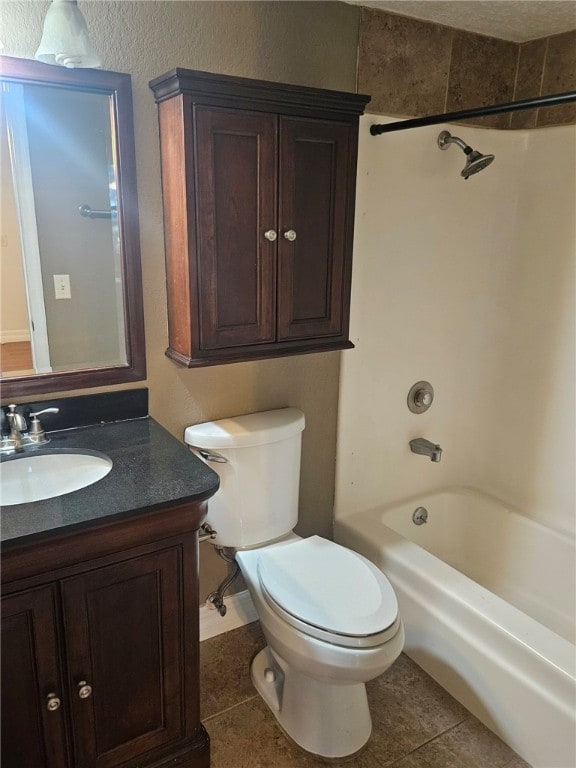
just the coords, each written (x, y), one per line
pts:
(16, 420)
(37, 434)
(46, 410)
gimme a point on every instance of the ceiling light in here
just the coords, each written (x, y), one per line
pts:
(65, 40)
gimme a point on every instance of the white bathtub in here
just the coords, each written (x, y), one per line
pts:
(488, 598)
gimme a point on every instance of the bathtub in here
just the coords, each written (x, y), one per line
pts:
(488, 598)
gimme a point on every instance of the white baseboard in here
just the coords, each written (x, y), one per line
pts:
(10, 337)
(240, 611)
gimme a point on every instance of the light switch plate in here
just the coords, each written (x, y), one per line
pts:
(62, 286)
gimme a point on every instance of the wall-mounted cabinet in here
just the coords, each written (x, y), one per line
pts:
(258, 181)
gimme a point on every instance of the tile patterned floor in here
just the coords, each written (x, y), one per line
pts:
(416, 724)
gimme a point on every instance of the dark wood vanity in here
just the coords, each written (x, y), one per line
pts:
(258, 182)
(100, 646)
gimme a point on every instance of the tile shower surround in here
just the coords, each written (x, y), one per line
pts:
(414, 68)
(416, 724)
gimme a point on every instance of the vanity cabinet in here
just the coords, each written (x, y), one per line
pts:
(258, 183)
(100, 647)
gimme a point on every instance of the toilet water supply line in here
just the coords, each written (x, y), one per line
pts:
(216, 598)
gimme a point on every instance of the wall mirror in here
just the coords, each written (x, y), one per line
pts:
(71, 289)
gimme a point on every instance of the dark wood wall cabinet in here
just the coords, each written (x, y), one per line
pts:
(258, 181)
(100, 647)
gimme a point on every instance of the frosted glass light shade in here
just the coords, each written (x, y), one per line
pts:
(65, 40)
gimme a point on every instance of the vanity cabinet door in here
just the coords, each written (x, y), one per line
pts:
(33, 712)
(266, 275)
(313, 277)
(236, 178)
(123, 626)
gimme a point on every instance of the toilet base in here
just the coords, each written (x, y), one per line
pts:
(332, 721)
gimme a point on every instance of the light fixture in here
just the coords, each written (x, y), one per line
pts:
(65, 40)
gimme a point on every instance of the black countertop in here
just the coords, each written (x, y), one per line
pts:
(151, 470)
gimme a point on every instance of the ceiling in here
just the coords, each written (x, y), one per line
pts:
(516, 20)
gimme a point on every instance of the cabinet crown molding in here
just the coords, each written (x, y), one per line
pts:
(261, 95)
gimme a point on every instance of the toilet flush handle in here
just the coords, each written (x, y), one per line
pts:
(211, 456)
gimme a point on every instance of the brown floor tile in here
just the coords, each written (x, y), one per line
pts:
(517, 762)
(468, 745)
(248, 736)
(416, 724)
(408, 709)
(225, 668)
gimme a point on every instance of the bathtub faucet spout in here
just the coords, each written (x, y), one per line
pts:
(426, 448)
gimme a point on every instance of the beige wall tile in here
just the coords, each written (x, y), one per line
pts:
(529, 81)
(482, 72)
(403, 64)
(413, 68)
(559, 77)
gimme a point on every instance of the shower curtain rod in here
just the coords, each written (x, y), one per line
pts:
(495, 109)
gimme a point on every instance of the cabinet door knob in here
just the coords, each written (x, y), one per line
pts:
(84, 690)
(52, 702)
(290, 235)
(270, 235)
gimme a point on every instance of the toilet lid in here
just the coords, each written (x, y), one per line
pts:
(328, 586)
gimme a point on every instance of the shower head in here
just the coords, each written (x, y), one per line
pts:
(475, 161)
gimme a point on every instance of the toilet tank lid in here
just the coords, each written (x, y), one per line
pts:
(250, 429)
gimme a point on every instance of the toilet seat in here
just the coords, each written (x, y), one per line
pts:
(329, 592)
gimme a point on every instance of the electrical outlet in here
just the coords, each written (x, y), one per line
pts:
(62, 286)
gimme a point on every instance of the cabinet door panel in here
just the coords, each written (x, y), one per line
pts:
(314, 171)
(236, 194)
(123, 625)
(32, 736)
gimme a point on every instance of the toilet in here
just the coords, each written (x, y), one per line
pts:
(329, 616)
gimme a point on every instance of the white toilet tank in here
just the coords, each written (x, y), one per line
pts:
(257, 457)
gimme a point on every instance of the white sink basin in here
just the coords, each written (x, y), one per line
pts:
(32, 477)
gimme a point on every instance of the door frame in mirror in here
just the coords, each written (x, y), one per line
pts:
(119, 87)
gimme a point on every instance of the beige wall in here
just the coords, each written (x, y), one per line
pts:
(304, 43)
(469, 285)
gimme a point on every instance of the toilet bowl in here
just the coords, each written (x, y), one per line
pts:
(313, 672)
(329, 616)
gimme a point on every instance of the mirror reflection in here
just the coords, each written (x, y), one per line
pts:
(70, 300)
(62, 303)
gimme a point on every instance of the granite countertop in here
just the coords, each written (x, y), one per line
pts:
(151, 470)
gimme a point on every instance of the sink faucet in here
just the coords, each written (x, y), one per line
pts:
(426, 448)
(20, 437)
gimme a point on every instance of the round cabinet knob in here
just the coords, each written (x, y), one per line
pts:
(270, 235)
(84, 690)
(52, 702)
(290, 235)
